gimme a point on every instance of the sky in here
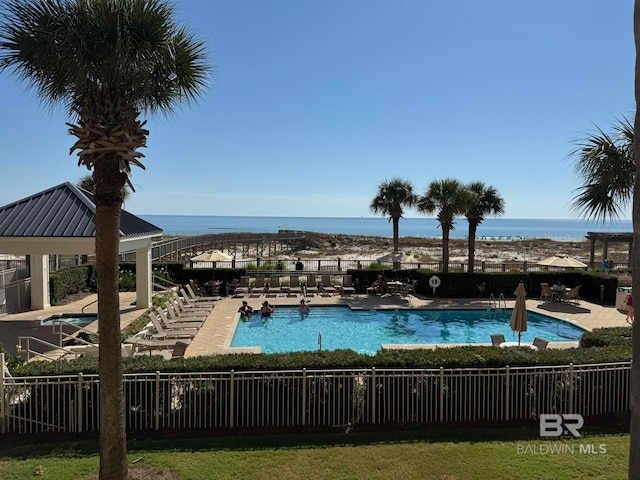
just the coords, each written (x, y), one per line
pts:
(312, 104)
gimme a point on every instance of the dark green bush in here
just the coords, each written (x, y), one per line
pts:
(605, 337)
(454, 357)
(68, 281)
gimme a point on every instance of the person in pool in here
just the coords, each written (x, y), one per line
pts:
(304, 307)
(245, 310)
(266, 310)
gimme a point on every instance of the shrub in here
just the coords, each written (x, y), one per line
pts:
(604, 337)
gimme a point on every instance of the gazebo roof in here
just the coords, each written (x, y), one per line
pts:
(63, 211)
(610, 236)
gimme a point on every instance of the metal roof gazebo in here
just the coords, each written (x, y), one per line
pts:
(61, 221)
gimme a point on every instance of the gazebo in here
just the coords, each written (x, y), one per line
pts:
(606, 238)
(61, 221)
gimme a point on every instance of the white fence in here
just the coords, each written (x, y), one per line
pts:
(317, 398)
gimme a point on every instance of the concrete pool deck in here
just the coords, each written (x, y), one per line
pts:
(215, 335)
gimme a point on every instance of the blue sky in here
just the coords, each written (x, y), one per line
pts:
(313, 103)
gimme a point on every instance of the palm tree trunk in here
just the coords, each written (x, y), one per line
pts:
(396, 230)
(634, 444)
(473, 228)
(113, 441)
(445, 249)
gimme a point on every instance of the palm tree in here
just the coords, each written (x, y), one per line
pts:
(482, 202)
(393, 196)
(605, 163)
(88, 183)
(449, 199)
(105, 62)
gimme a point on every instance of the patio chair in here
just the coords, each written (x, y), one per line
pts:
(294, 285)
(540, 343)
(199, 299)
(274, 286)
(173, 324)
(546, 293)
(326, 287)
(311, 286)
(497, 339)
(258, 287)
(573, 295)
(179, 350)
(347, 285)
(242, 288)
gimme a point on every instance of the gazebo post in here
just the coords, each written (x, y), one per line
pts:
(39, 264)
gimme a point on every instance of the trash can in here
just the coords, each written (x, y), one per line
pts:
(621, 294)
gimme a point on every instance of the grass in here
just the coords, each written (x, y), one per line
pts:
(443, 454)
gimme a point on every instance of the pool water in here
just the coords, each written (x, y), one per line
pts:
(364, 331)
(79, 319)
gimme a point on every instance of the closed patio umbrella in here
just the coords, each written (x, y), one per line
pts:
(213, 256)
(562, 260)
(519, 316)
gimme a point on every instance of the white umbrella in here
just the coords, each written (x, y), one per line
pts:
(562, 260)
(213, 256)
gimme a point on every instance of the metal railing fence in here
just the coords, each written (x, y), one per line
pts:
(320, 398)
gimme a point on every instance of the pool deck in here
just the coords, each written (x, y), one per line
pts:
(214, 337)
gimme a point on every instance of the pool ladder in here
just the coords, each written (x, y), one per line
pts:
(499, 304)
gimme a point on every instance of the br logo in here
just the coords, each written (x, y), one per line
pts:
(556, 425)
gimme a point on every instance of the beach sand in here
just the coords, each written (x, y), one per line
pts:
(430, 249)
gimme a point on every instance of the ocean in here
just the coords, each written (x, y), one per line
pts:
(490, 229)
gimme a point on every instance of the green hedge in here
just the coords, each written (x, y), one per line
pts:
(69, 281)
(605, 337)
(454, 357)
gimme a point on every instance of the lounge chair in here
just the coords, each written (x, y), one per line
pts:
(294, 285)
(274, 286)
(326, 287)
(546, 293)
(573, 295)
(174, 317)
(347, 285)
(184, 307)
(497, 339)
(199, 299)
(242, 288)
(163, 332)
(312, 285)
(258, 287)
(141, 343)
(540, 343)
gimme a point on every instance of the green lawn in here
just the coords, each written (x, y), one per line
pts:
(444, 454)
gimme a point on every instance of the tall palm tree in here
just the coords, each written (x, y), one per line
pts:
(605, 164)
(449, 199)
(392, 197)
(482, 201)
(88, 183)
(105, 62)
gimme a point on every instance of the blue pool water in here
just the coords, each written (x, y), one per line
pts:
(79, 319)
(364, 331)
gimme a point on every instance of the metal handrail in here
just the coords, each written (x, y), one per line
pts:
(54, 347)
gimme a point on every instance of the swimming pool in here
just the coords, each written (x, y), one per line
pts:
(79, 319)
(364, 331)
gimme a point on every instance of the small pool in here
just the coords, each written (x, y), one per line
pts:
(364, 331)
(79, 319)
